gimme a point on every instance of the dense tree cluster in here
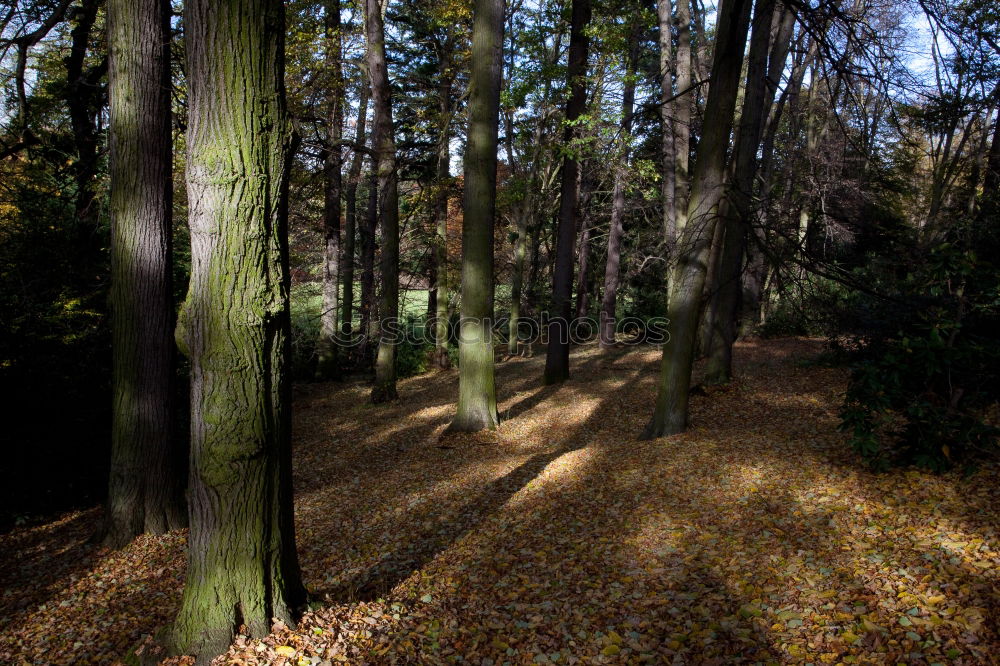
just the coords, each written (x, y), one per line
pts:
(315, 189)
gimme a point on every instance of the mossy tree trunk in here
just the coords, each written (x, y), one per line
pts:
(694, 242)
(327, 349)
(145, 484)
(234, 327)
(557, 354)
(477, 402)
(388, 202)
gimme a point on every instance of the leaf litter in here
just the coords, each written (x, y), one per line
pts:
(755, 537)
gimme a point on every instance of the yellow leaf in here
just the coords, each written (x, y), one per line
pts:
(611, 650)
(614, 638)
(285, 650)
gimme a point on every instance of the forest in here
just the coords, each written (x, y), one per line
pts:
(500, 331)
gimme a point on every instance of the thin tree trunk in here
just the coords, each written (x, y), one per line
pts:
(583, 282)
(682, 107)
(235, 328)
(668, 156)
(327, 349)
(83, 100)
(612, 266)
(351, 206)
(557, 354)
(477, 402)
(441, 314)
(757, 99)
(708, 182)
(144, 484)
(369, 306)
(384, 389)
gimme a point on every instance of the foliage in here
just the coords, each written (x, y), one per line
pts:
(926, 368)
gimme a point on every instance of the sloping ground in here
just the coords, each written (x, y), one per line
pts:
(755, 537)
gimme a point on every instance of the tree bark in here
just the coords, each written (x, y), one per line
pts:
(681, 126)
(557, 354)
(235, 328)
(327, 366)
(384, 389)
(144, 488)
(477, 402)
(708, 182)
(351, 210)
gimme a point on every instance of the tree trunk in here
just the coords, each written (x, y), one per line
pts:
(708, 182)
(612, 266)
(384, 389)
(557, 354)
(327, 349)
(441, 358)
(664, 12)
(477, 402)
(583, 282)
(351, 213)
(369, 307)
(682, 107)
(144, 484)
(84, 101)
(235, 328)
(762, 81)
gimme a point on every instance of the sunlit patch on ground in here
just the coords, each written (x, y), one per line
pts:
(754, 537)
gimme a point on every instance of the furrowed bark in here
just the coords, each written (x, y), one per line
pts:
(234, 326)
(384, 389)
(327, 366)
(477, 403)
(557, 354)
(144, 488)
(708, 182)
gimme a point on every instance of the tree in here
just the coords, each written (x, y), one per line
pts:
(477, 401)
(694, 241)
(762, 78)
(388, 200)
(557, 354)
(234, 327)
(327, 368)
(612, 267)
(143, 486)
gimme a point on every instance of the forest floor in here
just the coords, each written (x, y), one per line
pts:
(754, 537)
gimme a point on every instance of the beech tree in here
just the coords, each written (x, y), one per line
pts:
(234, 326)
(477, 401)
(144, 484)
